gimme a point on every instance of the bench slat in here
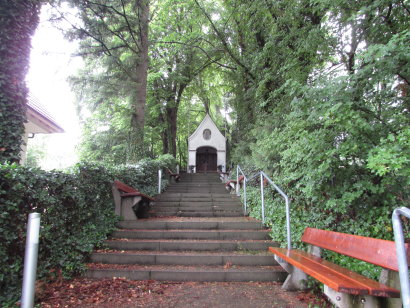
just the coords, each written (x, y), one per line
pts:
(332, 279)
(146, 196)
(125, 188)
(375, 251)
(132, 194)
(129, 191)
(375, 288)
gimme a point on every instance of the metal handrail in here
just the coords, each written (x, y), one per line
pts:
(401, 254)
(238, 169)
(287, 204)
(262, 176)
(253, 176)
(159, 181)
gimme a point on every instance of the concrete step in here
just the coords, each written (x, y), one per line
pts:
(188, 196)
(176, 211)
(198, 200)
(227, 203)
(189, 245)
(197, 232)
(196, 190)
(203, 208)
(193, 234)
(196, 185)
(181, 223)
(225, 198)
(184, 258)
(196, 214)
(209, 183)
(188, 273)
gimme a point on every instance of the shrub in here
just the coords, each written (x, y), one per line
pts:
(77, 214)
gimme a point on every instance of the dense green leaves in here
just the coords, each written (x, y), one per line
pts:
(18, 21)
(325, 111)
(77, 213)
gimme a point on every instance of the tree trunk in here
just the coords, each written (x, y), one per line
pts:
(18, 21)
(164, 135)
(141, 71)
(172, 121)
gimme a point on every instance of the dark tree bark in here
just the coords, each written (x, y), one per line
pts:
(141, 72)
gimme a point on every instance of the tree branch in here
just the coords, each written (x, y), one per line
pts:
(224, 43)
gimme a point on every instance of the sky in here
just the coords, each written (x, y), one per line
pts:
(50, 65)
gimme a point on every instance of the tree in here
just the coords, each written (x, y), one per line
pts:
(116, 32)
(181, 51)
(18, 21)
(330, 96)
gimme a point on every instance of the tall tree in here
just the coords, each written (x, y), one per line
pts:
(117, 33)
(181, 51)
(18, 21)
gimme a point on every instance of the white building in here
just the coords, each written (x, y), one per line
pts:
(206, 148)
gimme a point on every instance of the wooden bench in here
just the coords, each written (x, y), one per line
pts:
(173, 176)
(343, 287)
(223, 176)
(130, 204)
(231, 184)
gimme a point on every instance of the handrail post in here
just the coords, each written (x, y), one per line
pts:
(244, 196)
(263, 200)
(159, 180)
(237, 181)
(401, 254)
(287, 204)
(30, 260)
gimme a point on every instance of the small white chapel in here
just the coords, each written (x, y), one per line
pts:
(207, 148)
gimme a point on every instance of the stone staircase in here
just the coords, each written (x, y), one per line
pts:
(197, 232)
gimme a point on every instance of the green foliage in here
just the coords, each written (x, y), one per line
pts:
(18, 21)
(77, 213)
(332, 126)
(182, 56)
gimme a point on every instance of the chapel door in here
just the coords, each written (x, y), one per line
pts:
(206, 159)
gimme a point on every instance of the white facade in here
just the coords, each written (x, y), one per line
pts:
(207, 148)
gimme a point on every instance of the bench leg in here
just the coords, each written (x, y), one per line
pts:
(344, 300)
(391, 279)
(296, 279)
(127, 211)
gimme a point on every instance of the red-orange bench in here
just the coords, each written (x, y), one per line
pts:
(173, 176)
(129, 202)
(223, 176)
(343, 287)
(231, 184)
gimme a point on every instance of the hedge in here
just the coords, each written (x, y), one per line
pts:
(77, 214)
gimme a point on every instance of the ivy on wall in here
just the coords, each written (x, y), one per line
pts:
(18, 21)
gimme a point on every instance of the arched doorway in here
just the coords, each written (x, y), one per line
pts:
(206, 159)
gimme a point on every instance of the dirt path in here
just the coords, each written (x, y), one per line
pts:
(118, 292)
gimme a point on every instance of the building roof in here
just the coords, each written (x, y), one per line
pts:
(39, 120)
(217, 140)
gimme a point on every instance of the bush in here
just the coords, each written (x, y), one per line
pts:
(77, 214)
